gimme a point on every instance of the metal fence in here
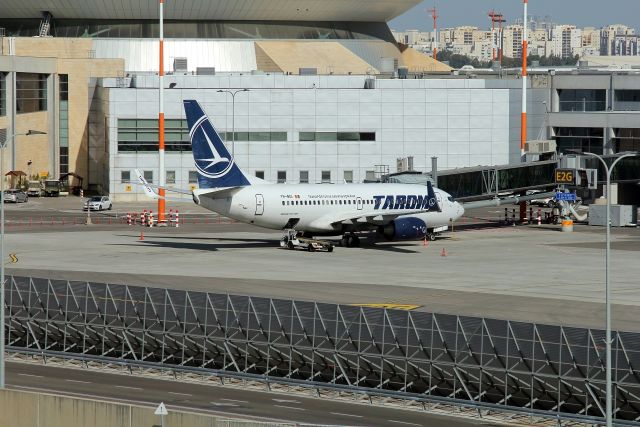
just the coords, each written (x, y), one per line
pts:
(498, 363)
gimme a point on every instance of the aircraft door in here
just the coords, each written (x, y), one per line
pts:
(359, 203)
(259, 204)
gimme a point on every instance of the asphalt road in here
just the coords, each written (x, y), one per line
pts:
(216, 400)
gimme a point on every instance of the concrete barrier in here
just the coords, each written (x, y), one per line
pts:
(32, 409)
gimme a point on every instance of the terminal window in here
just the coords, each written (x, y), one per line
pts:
(260, 174)
(348, 177)
(142, 135)
(326, 176)
(254, 136)
(31, 92)
(582, 99)
(282, 177)
(337, 136)
(193, 177)
(125, 177)
(148, 176)
(304, 177)
(171, 177)
(3, 94)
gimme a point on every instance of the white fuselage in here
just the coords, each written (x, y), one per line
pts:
(326, 208)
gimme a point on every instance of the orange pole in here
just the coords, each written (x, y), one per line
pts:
(162, 178)
(525, 44)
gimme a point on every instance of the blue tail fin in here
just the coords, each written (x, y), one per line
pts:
(432, 200)
(216, 167)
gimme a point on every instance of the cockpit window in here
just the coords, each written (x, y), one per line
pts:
(450, 198)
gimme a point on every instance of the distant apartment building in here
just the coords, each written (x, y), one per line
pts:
(512, 41)
(608, 37)
(626, 45)
(590, 41)
(566, 41)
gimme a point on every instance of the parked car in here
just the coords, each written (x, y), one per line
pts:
(548, 202)
(15, 196)
(97, 203)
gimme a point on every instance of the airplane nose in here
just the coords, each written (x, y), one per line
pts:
(460, 209)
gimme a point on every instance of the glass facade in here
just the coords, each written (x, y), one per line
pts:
(337, 136)
(581, 100)
(31, 92)
(581, 139)
(3, 94)
(627, 100)
(142, 135)
(63, 123)
(626, 140)
(320, 30)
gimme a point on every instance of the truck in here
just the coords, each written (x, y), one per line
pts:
(292, 240)
(52, 188)
(34, 189)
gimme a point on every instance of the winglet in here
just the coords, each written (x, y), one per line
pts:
(148, 191)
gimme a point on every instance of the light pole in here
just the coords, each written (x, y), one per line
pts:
(233, 116)
(3, 144)
(609, 397)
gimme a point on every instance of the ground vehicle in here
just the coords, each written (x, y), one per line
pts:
(292, 240)
(34, 189)
(16, 196)
(547, 201)
(97, 203)
(52, 188)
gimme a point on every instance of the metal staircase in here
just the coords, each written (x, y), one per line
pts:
(45, 25)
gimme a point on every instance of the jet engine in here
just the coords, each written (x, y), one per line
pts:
(408, 228)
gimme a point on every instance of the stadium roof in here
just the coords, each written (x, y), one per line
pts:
(238, 10)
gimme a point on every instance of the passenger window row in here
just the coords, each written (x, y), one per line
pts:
(324, 202)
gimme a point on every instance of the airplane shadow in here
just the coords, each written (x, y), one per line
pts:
(216, 244)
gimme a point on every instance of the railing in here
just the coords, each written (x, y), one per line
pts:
(549, 371)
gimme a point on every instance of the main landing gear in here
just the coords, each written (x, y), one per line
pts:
(350, 240)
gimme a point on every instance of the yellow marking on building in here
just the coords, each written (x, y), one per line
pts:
(390, 306)
(127, 188)
(14, 258)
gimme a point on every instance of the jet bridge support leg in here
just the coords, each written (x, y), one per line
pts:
(523, 212)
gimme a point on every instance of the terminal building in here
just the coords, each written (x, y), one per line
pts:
(331, 97)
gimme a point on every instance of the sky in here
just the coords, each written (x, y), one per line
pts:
(582, 13)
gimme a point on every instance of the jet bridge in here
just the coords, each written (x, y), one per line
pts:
(482, 182)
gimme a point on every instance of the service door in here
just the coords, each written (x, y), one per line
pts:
(359, 203)
(259, 204)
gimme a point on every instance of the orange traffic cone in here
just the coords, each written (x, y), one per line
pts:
(444, 252)
(141, 236)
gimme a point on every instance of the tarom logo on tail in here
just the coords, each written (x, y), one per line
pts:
(216, 167)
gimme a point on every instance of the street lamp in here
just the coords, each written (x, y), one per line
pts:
(609, 395)
(233, 115)
(3, 143)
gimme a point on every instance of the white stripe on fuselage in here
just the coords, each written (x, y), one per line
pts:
(316, 205)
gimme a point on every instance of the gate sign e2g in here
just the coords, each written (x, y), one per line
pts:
(567, 197)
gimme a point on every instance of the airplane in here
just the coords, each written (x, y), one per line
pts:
(396, 211)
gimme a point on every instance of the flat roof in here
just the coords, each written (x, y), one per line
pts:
(277, 10)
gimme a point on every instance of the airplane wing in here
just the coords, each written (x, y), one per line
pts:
(366, 217)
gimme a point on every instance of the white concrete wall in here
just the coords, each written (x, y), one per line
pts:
(459, 121)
